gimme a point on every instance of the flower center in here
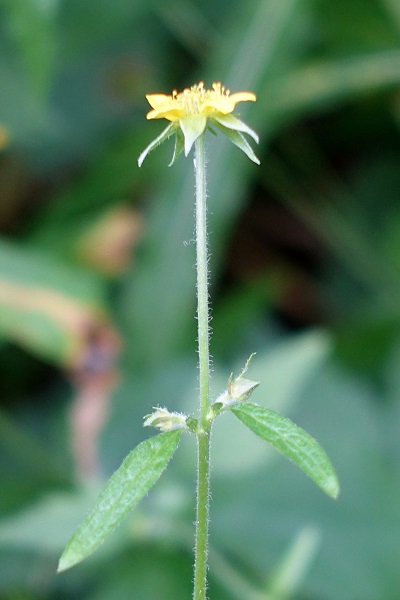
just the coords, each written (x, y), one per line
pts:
(194, 100)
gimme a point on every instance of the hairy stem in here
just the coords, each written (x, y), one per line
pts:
(202, 279)
(203, 488)
(204, 429)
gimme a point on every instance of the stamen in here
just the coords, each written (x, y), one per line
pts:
(191, 99)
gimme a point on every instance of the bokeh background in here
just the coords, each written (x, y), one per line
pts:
(97, 292)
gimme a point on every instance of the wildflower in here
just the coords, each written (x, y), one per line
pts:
(193, 111)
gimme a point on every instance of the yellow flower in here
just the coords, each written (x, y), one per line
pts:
(196, 101)
(192, 111)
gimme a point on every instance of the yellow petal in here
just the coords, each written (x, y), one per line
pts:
(172, 114)
(158, 100)
(196, 101)
(223, 104)
(243, 97)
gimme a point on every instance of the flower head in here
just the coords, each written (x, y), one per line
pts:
(195, 101)
(192, 111)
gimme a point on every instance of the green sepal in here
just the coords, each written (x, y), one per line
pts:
(192, 424)
(216, 409)
(192, 128)
(292, 441)
(164, 135)
(237, 138)
(127, 486)
(232, 122)
(179, 145)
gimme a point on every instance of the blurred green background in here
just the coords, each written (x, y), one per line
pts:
(97, 291)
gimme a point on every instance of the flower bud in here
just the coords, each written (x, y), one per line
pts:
(238, 390)
(164, 420)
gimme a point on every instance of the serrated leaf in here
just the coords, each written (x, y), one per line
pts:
(293, 442)
(127, 486)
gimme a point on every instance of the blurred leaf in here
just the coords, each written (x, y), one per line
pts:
(335, 22)
(342, 218)
(50, 308)
(112, 176)
(128, 485)
(25, 449)
(87, 24)
(19, 569)
(147, 571)
(21, 264)
(391, 234)
(364, 343)
(31, 25)
(393, 9)
(292, 441)
(189, 24)
(21, 109)
(43, 526)
(294, 565)
(326, 83)
(108, 243)
(4, 137)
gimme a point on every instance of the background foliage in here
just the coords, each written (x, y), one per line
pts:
(97, 291)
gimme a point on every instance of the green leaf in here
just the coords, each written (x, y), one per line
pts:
(293, 442)
(127, 486)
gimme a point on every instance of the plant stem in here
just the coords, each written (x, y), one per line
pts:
(202, 516)
(202, 279)
(204, 428)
